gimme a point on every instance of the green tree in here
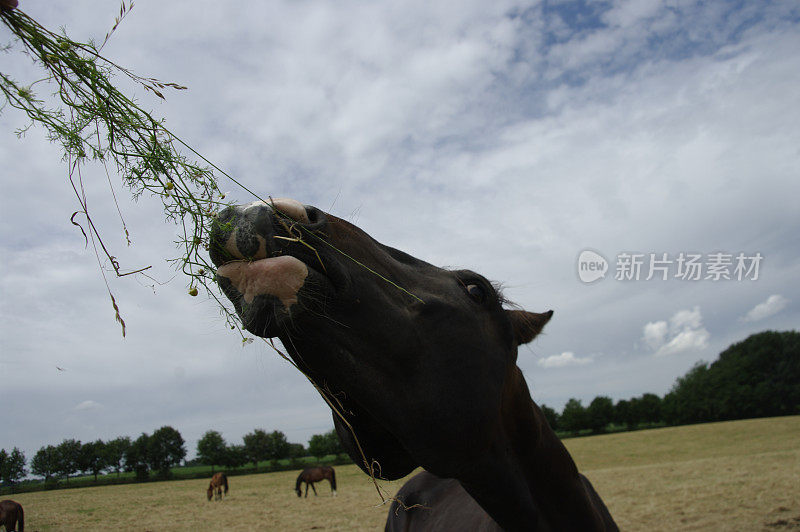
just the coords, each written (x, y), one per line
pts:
(297, 450)
(45, 462)
(235, 456)
(278, 445)
(688, 401)
(69, 458)
(551, 416)
(16, 466)
(93, 457)
(256, 444)
(12, 466)
(114, 452)
(599, 413)
(321, 445)
(211, 449)
(622, 413)
(318, 446)
(136, 457)
(759, 376)
(3, 462)
(165, 450)
(650, 408)
(573, 417)
(635, 412)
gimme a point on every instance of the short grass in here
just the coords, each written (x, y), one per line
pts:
(740, 475)
(736, 475)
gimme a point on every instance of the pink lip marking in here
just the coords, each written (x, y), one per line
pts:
(281, 277)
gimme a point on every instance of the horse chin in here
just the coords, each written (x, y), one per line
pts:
(386, 457)
(270, 312)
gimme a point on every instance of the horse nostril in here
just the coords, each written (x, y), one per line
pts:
(315, 216)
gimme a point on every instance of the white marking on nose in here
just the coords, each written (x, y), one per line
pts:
(291, 208)
(281, 277)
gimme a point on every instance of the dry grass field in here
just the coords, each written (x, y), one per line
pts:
(736, 475)
(741, 475)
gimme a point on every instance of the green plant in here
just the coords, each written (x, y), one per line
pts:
(92, 120)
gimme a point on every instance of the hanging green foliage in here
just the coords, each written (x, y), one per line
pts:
(93, 121)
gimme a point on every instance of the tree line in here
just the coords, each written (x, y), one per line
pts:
(158, 452)
(261, 446)
(757, 377)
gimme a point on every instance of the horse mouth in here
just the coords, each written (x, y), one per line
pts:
(268, 263)
(281, 277)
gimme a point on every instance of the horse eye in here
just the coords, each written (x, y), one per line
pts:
(476, 292)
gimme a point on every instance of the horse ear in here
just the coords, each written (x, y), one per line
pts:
(527, 325)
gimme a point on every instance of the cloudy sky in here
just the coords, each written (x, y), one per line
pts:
(499, 136)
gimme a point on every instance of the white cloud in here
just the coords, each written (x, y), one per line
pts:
(629, 12)
(88, 405)
(567, 358)
(686, 340)
(685, 332)
(654, 333)
(686, 319)
(774, 304)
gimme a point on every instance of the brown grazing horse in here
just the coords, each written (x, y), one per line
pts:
(11, 515)
(310, 475)
(218, 482)
(425, 375)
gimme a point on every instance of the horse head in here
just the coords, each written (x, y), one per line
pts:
(420, 359)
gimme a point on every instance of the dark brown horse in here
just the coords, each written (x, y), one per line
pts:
(432, 503)
(310, 475)
(215, 487)
(11, 515)
(420, 361)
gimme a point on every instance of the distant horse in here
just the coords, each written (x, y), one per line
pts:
(11, 515)
(218, 481)
(316, 474)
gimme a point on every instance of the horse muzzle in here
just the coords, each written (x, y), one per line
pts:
(267, 257)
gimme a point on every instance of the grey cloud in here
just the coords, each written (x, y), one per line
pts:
(462, 136)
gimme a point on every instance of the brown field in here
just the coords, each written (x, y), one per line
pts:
(741, 475)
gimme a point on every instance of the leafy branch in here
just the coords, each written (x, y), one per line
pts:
(93, 120)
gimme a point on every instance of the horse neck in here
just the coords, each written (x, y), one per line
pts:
(551, 474)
